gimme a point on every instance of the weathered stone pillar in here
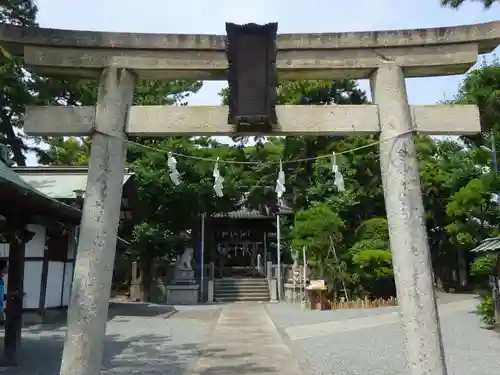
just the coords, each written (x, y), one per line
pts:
(269, 270)
(88, 310)
(407, 227)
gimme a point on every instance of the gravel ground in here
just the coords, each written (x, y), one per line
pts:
(288, 315)
(140, 339)
(379, 350)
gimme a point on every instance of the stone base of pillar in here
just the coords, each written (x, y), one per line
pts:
(210, 292)
(273, 291)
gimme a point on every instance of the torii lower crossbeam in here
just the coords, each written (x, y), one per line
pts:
(163, 121)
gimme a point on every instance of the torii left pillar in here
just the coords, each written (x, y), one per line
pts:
(88, 310)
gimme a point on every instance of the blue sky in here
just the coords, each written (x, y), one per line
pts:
(208, 17)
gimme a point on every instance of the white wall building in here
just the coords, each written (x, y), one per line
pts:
(49, 257)
(48, 268)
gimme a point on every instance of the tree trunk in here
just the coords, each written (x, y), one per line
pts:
(146, 266)
(462, 267)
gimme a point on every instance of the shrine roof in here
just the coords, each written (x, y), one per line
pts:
(35, 200)
(15, 189)
(58, 182)
(490, 244)
(245, 212)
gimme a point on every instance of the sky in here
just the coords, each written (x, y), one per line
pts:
(293, 16)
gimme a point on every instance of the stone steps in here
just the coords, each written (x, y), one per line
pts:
(241, 289)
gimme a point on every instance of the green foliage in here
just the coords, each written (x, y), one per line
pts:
(455, 4)
(371, 258)
(375, 263)
(18, 12)
(169, 210)
(486, 310)
(66, 151)
(375, 229)
(316, 228)
(484, 265)
(472, 212)
(73, 151)
(456, 191)
(152, 240)
(15, 81)
(482, 87)
(368, 244)
(482, 268)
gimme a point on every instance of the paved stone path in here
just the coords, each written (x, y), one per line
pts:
(245, 341)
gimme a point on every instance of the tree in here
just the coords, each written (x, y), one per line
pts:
(66, 151)
(455, 4)
(15, 83)
(84, 92)
(19, 12)
(371, 259)
(473, 213)
(319, 230)
(170, 213)
(472, 190)
(482, 87)
(473, 217)
(153, 234)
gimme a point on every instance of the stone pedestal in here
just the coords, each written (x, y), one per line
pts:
(184, 290)
(183, 294)
(210, 292)
(136, 294)
(292, 292)
(273, 290)
(184, 276)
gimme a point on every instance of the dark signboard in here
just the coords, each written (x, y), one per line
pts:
(251, 54)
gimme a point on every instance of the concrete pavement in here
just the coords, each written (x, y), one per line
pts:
(245, 341)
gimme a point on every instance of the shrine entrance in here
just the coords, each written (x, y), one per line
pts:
(240, 259)
(240, 242)
(251, 57)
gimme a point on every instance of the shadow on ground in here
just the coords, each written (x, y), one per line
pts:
(140, 310)
(141, 340)
(126, 309)
(146, 354)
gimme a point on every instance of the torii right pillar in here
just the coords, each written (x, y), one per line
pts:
(407, 227)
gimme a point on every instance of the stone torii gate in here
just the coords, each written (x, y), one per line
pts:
(385, 57)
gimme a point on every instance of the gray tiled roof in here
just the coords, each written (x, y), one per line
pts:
(247, 213)
(12, 179)
(244, 213)
(490, 244)
(9, 177)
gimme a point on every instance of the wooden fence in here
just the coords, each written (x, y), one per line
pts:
(365, 303)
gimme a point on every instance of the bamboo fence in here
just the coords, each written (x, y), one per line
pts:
(365, 303)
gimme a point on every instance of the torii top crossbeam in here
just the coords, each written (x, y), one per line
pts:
(421, 52)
